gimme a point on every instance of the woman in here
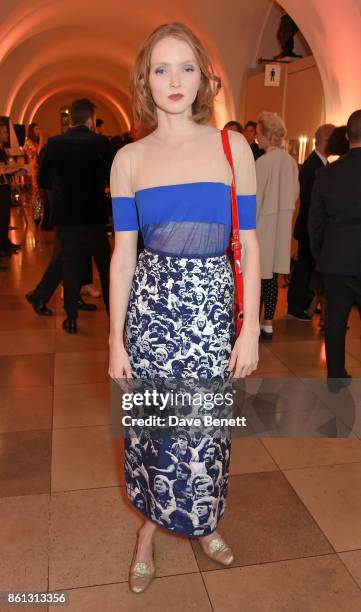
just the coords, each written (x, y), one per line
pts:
(277, 192)
(34, 143)
(174, 186)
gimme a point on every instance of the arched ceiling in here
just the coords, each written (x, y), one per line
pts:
(332, 29)
(53, 46)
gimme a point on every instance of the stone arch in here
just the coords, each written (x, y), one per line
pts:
(332, 30)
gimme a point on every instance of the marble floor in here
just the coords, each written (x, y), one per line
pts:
(294, 506)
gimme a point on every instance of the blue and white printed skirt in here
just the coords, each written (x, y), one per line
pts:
(180, 325)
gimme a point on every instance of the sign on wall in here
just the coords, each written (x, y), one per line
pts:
(272, 75)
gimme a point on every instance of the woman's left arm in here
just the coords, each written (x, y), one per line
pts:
(244, 356)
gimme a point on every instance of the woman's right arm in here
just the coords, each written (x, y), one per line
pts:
(123, 261)
(122, 266)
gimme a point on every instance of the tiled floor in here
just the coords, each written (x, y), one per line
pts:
(294, 505)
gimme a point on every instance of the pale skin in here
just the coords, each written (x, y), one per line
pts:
(249, 134)
(174, 69)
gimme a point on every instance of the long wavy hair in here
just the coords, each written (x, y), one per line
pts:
(144, 109)
(31, 132)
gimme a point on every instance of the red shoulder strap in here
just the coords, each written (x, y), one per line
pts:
(235, 242)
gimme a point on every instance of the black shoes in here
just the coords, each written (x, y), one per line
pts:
(84, 306)
(69, 325)
(264, 335)
(300, 315)
(39, 307)
(335, 385)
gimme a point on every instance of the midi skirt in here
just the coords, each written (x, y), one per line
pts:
(179, 325)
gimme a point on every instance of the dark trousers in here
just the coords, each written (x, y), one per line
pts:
(341, 293)
(52, 276)
(299, 294)
(5, 206)
(269, 296)
(47, 223)
(73, 247)
(87, 273)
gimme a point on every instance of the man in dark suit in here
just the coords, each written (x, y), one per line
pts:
(335, 241)
(249, 133)
(299, 294)
(76, 168)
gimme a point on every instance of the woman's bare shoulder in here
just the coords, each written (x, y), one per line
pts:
(238, 142)
(128, 154)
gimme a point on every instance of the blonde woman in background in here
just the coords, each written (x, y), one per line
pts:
(277, 192)
(34, 143)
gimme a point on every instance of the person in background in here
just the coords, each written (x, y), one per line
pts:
(76, 168)
(116, 143)
(34, 143)
(235, 126)
(87, 282)
(277, 192)
(7, 170)
(335, 240)
(99, 126)
(119, 141)
(46, 223)
(87, 279)
(300, 295)
(126, 138)
(249, 133)
(338, 143)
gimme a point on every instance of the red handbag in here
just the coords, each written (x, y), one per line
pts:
(235, 243)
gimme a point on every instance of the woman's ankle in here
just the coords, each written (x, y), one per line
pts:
(208, 538)
(146, 533)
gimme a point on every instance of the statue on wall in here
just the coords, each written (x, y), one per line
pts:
(285, 34)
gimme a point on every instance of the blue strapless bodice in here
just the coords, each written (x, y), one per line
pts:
(190, 220)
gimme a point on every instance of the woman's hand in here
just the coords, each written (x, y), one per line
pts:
(119, 364)
(244, 356)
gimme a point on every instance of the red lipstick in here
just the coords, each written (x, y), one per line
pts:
(176, 97)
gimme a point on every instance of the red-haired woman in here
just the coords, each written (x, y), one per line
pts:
(174, 187)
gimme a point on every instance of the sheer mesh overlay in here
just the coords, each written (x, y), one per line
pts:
(187, 239)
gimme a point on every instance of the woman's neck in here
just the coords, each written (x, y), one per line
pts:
(176, 128)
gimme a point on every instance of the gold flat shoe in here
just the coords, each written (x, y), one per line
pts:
(141, 574)
(218, 551)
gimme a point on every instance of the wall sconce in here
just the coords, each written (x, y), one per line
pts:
(313, 144)
(302, 149)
